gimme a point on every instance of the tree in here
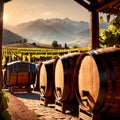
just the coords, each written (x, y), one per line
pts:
(66, 47)
(55, 44)
(33, 43)
(24, 40)
(111, 36)
(20, 41)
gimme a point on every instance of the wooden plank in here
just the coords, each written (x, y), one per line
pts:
(6, 1)
(106, 4)
(88, 115)
(84, 4)
(64, 106)
(1, 31)
(13, 89)
(45, 101)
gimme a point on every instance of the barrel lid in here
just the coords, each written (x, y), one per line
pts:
(88, 82)
(43, 76)
(59, 76)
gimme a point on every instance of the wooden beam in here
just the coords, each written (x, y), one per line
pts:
(105, 4)
(94, 31)
(84, 4)
(111, 10)
(94, 4)
(1, 32)
(117, 5)
(94, 24)
(6, 1)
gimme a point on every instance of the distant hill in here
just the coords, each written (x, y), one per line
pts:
(81, 39)
(10, 37)
(28, 45)
(49, 30)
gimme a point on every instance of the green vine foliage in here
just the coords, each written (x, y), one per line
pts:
(111, 36)
(4, 113)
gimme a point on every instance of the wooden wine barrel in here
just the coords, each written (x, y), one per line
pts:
(64, 76)
(46, 80)
(20, 74)
(97, 74)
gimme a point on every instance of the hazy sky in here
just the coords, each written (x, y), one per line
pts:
(18, 11)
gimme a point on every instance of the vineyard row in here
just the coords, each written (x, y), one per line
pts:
(10, 54)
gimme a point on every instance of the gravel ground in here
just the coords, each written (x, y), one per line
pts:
(32, 101)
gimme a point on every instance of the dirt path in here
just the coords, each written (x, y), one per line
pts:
(19, 111)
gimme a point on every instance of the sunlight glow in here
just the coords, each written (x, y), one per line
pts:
(5, 18)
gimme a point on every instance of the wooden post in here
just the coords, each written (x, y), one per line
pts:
(94, 30)
(1, 31)
(94, 25)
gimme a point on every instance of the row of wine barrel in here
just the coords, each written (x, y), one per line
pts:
(92, 77)
(55, 77)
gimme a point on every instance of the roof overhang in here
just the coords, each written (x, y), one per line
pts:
(104, 6)
(6, 1)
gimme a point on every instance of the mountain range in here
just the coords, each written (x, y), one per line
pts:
(49, 30)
